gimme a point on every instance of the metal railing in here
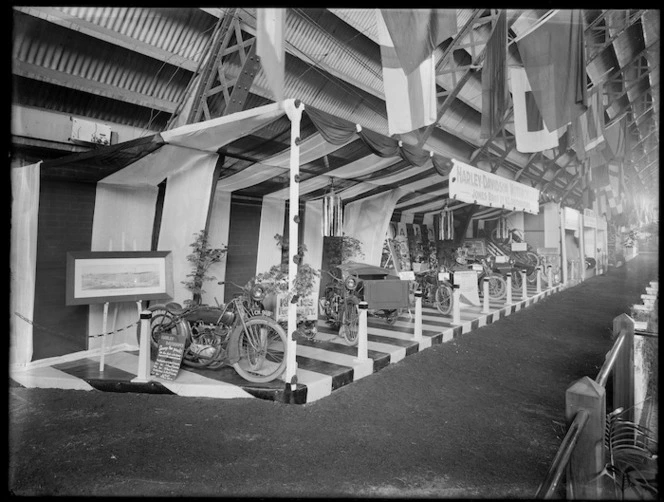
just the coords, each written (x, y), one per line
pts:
(560, 461)
(581, 452)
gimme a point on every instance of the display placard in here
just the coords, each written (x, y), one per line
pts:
(475, 247)
(589, 218)
(407, 275)
(279, 304)
(169, 357)
(519, 246)
(473, 185)
(467, 282)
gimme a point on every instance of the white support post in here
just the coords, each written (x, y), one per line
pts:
(524, 285)
(563, 247)
(549, 276)
(508, 296)
(417, 335)
(456, 304)
(538, 280)
(103, 337)
(582, 249)
(294, 110)
(485, 294)
(143, 372)
(362, 343)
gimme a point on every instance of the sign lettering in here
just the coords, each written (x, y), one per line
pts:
(469, 184)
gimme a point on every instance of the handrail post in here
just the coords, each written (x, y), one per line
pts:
(587, 459)
(623, 372)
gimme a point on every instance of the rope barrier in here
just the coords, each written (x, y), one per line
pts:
(63, 334)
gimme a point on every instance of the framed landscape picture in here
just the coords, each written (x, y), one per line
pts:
(122, 276)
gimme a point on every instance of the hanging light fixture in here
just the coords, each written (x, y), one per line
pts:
(332, 212)
(447, 224)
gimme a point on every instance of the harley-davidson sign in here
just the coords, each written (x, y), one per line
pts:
(469, 184)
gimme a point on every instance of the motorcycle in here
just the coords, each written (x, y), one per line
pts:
(237, 334)
(339, 305)
(497, 285)
(435, 292)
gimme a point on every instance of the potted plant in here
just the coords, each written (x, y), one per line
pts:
(202, 257)
(276, 279)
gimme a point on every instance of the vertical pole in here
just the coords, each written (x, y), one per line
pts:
(456, 304)
(418, 315)
(587, 458)
(563, 247)
(549, 275)
(293, 109)
(524, 285)
(596, 250)
(103, 337)
(485, 294)
(362, 349)
(508, 296)
(538, 280)
(143, 371)
(582, 248)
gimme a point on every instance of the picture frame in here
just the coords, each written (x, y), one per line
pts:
(118, 276)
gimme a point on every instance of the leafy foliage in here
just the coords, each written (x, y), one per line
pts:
(202, 257)
(275, 280)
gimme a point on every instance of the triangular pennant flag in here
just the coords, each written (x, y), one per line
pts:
(270, 29)
(529, 129)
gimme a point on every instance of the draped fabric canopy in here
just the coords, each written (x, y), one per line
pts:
(254, 147)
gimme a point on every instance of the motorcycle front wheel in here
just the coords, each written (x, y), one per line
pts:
(444, 299)
(497, 287)
(350, 322)
(263, 346)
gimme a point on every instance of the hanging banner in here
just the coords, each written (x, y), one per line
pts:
(469, 184)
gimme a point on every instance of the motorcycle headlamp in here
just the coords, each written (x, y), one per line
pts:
(257, 293)
(351, 283)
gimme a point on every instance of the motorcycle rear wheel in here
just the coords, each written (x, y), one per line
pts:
(263, 345)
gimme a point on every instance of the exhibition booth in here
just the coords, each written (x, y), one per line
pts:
(330, 180)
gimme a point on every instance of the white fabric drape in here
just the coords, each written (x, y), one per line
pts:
(367, 220)
(313, 239)
(184, 215)
(23, 260)
(122, 221)
(217, 238)
(272, 223)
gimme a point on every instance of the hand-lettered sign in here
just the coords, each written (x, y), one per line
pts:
(169, 357)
